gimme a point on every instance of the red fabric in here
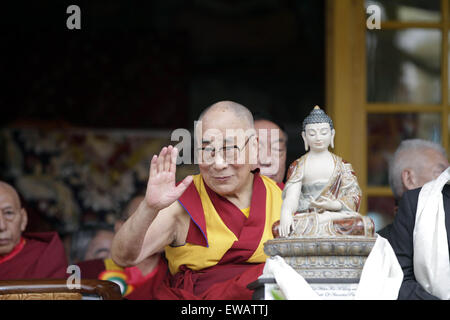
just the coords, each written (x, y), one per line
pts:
(231, 215)
(135, 276)
(91, 269)
(190, 201)
(186, 284)
(14, 252)
(250, 230)
(146, 289)
(42, 256)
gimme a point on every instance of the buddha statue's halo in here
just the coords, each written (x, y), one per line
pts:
(317, 115)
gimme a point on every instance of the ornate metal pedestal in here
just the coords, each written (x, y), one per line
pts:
(332, 265)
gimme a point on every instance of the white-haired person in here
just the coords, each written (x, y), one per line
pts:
(415, 162)
(419, 234)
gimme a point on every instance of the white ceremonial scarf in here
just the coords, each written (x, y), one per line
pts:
(291, 283)
(431, 257)
(381, 276)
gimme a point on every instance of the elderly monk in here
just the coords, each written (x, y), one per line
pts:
(26, 256)
(272, 149)
(212, 225)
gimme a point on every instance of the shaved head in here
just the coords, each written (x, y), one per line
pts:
(225, 115)
(7, 188)
(239, 111)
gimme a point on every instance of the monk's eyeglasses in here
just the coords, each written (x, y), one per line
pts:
(229, 153)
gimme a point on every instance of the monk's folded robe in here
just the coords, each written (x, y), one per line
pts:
(36, 256)
(223, 252)
(133, 284)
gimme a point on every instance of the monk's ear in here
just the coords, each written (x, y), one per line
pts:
(333, 132)
(304, 140)
(409, 179)
(24, 219)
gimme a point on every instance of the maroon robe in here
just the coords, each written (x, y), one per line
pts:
(91, 269)
(37, 256)
(145, 290)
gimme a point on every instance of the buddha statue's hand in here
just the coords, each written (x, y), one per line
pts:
(286, 221)
(291, 195)
(161, 189)
(327, 204)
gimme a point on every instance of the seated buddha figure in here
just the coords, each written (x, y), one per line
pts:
(321, 197)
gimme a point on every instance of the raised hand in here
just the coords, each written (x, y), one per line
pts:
(161, 190)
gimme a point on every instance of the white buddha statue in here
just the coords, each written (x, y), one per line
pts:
(321, 196)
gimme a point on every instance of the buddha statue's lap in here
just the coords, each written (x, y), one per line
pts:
(310, 221)
(331, 224)
(316, 223)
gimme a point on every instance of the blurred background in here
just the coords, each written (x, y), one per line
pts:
(83, 111)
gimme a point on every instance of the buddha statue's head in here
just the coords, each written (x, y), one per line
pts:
(318, 131)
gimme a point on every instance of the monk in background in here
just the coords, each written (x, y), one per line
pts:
(212, 226)
(272, 152)
(29, 255)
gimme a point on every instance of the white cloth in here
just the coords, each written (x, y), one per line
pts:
(381, 276)
(431, 257)
(291, 283)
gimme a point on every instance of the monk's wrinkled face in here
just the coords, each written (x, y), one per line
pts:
(271, 150)
(318, 136)
(13, 220)
(224, 151)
